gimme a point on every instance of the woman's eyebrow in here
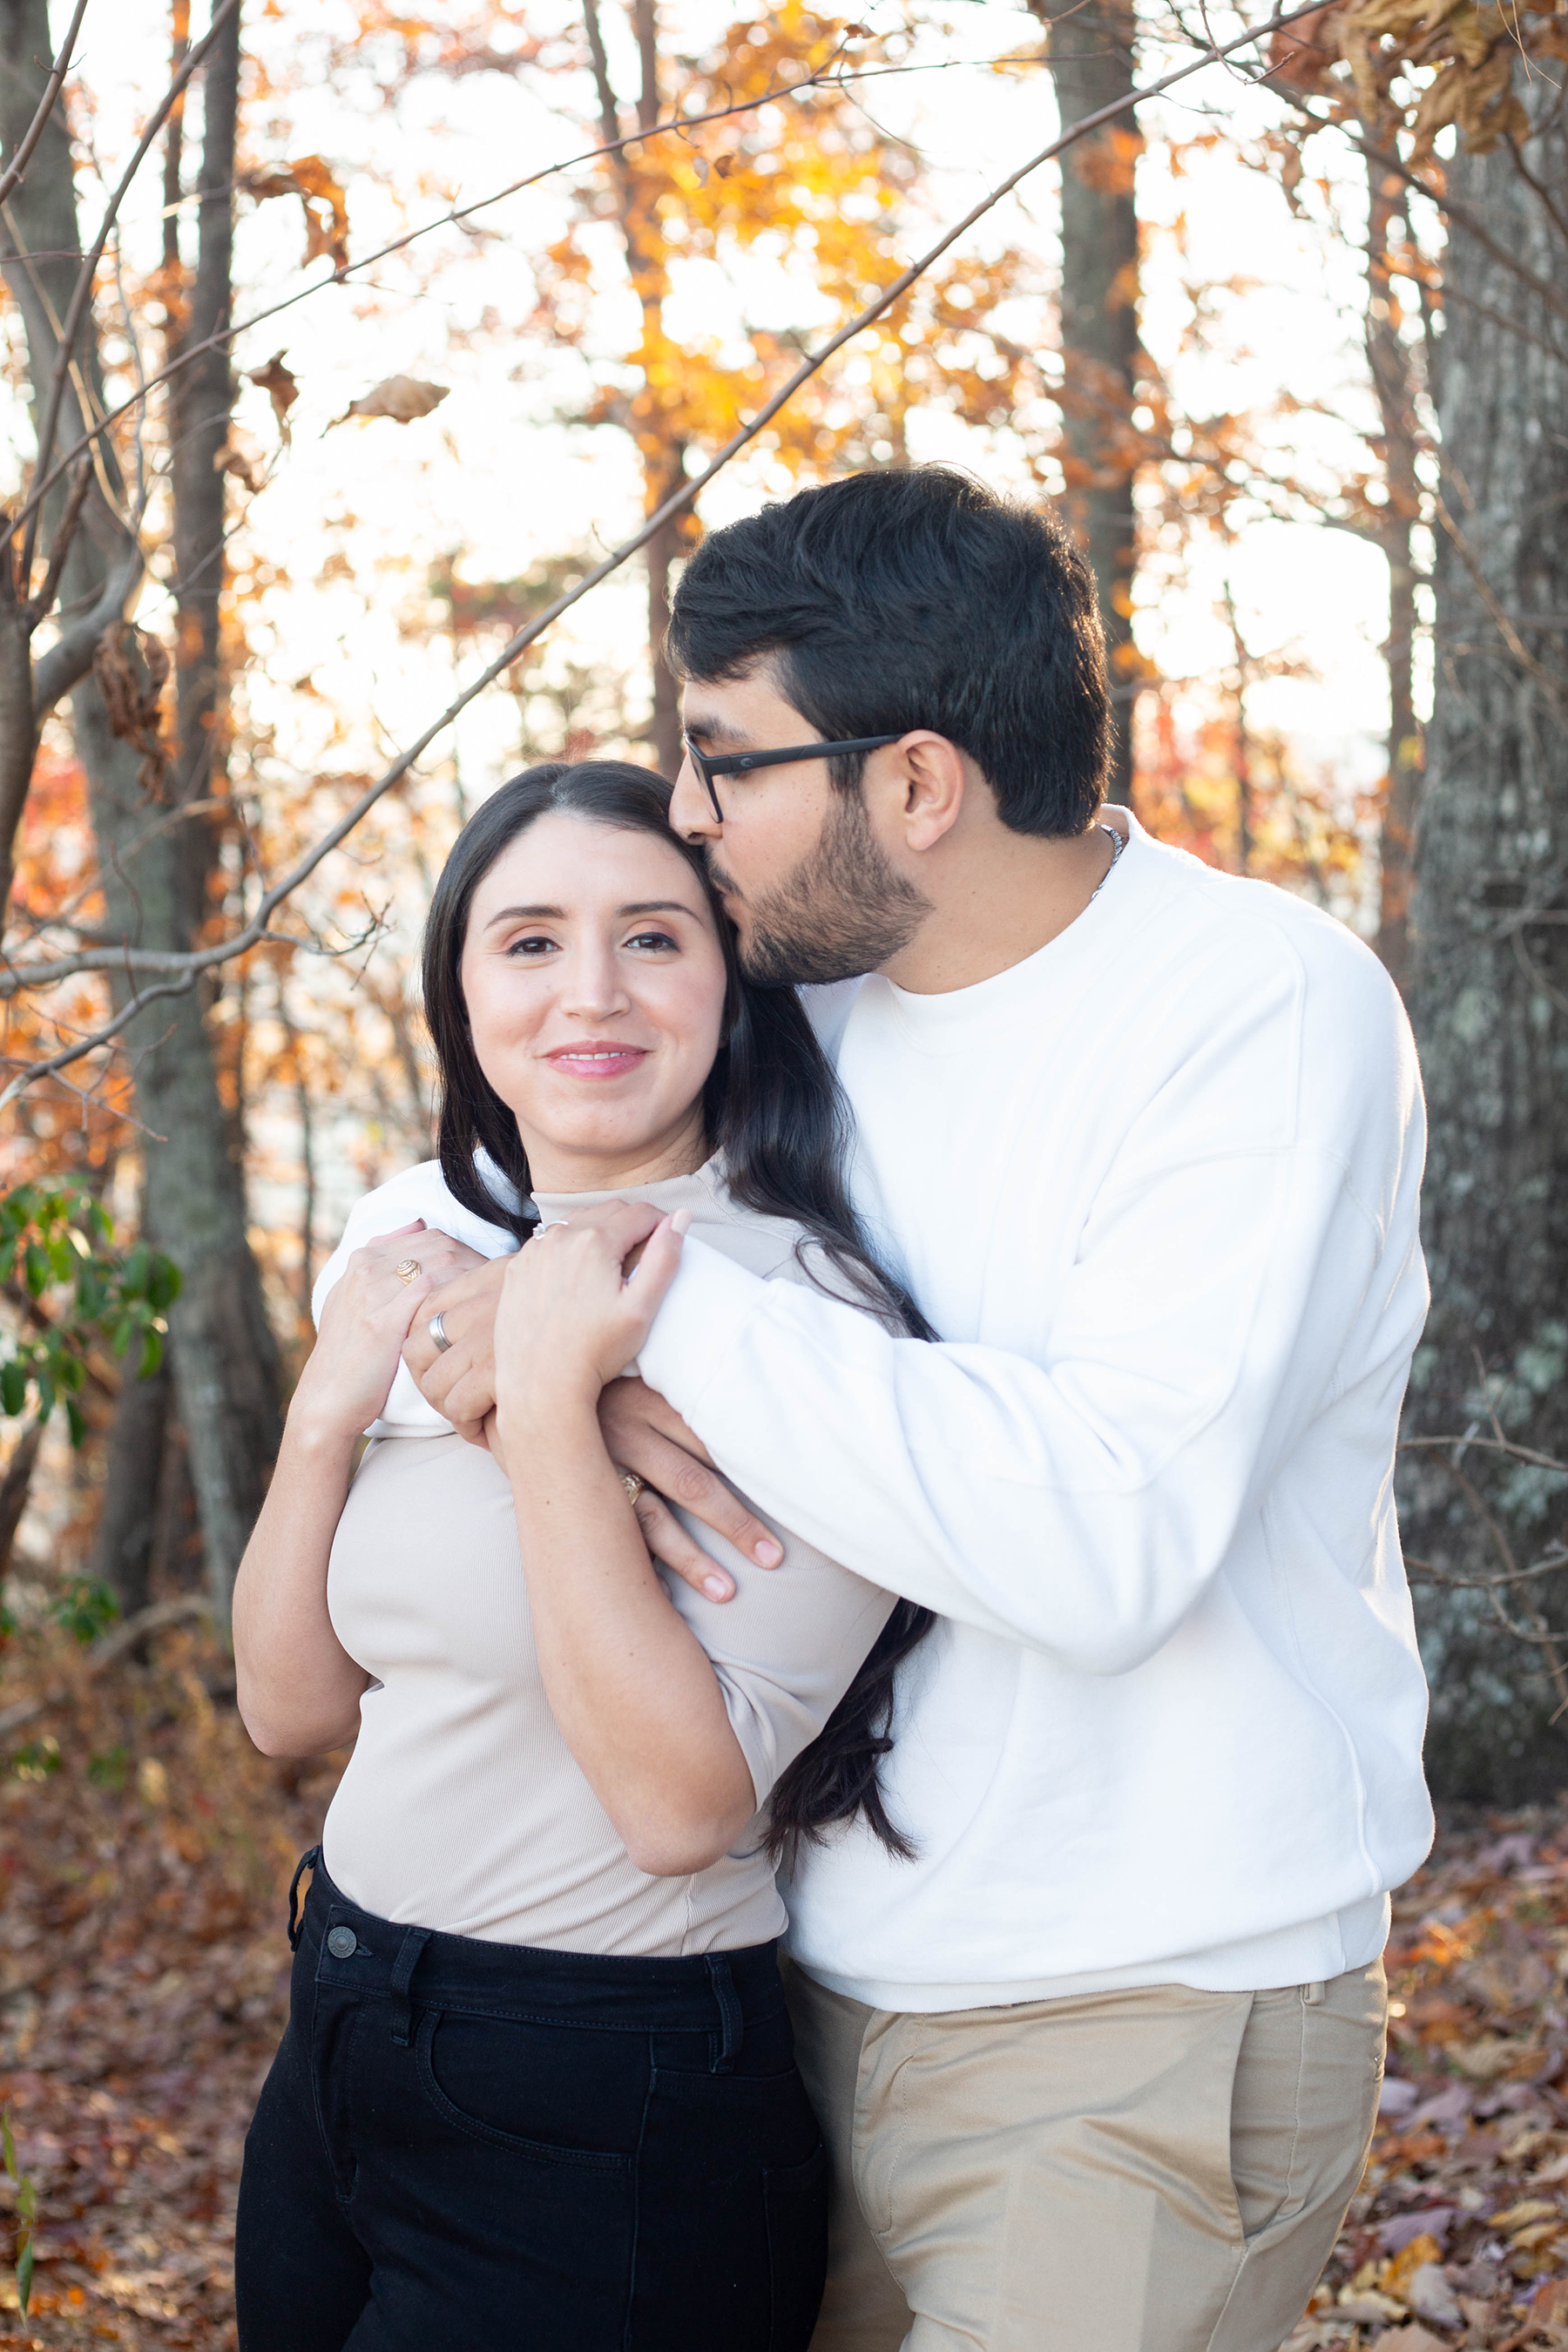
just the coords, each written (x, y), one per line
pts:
(527, 915)
(558, 914)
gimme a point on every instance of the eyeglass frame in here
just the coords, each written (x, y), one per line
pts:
(739, 763)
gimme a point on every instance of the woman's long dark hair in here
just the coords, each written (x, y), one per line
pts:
(773, 1107)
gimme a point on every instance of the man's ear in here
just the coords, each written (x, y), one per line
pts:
(933, 779)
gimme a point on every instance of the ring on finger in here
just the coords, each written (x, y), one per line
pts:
(437, 1327)
(408, 1269)
(633, 1485)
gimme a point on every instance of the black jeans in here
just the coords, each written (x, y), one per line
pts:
(465, 2147)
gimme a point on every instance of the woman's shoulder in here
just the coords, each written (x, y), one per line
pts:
(766, 1243)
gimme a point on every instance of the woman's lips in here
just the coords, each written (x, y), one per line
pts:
(597, 1061)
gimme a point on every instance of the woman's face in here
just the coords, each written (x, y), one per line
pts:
(594, 984)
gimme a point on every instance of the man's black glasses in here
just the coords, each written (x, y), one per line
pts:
(739, 763)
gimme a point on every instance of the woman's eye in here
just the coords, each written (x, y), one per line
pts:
(530, 946)
(651, 940)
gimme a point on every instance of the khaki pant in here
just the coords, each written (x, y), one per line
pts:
(1155, 2171)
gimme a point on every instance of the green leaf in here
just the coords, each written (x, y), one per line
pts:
(13, 1385)
(85, 1607)
(109, 1769)
(151, 1351)
(24, 2277)
(164, 1284)
(77, 1422)
(37, 1270)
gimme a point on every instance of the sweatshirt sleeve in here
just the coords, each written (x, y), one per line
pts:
(1080, 1498)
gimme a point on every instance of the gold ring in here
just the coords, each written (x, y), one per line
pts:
(408, 1269)
(633, 1485)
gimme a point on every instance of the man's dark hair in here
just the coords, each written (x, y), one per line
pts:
(916, 597)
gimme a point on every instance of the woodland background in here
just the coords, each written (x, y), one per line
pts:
(366, 375)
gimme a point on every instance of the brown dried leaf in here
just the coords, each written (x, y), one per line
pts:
(131, 668)
(401, 397)
(313, 181)
(279, 384)
(245, 465)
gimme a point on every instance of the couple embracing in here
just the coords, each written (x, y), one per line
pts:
(1001, 1357)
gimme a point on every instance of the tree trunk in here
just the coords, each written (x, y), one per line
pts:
(225, 1358)
(1394, 377)
(662, 550)
(1489, 983)
(1092, 52)
(127, 1524)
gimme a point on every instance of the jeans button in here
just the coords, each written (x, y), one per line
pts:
(342, 1943)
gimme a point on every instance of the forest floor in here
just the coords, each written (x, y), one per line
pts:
(146, 1851)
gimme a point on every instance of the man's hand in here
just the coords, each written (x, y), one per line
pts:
(460, 1381)
(645, 1434)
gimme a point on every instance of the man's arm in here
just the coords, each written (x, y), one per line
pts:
(1080, 1499)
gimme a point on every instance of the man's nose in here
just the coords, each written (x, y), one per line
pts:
(690, 811)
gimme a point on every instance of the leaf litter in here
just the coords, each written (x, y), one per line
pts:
(145, 1852)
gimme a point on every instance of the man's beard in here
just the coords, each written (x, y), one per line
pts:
(843, 911)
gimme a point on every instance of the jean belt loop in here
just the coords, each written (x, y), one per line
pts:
(307, 1862)
(730, 2028)
(403, 1968)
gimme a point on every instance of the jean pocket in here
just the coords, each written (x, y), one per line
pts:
(515, 2085)
(794, 2199)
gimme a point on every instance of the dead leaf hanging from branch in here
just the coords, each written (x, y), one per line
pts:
(131, 670)
(280, 386)
(401, 397)
(313, 181)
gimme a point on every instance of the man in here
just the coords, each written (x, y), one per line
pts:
(1099, 2065)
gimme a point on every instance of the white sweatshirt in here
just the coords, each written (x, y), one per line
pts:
(1156, 1186)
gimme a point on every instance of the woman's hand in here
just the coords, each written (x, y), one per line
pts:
(364, 1322)
(570, 1317)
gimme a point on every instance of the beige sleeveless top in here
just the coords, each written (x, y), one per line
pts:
(462, 1808)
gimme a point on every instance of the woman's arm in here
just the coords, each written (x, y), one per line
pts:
(632, 1689)
(299, 1689)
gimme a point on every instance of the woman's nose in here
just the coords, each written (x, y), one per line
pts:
(595, 990)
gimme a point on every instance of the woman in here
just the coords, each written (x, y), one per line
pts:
(537, 2087)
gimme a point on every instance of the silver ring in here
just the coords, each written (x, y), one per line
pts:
(437, 1327)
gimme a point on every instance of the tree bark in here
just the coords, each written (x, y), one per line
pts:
(122, 1548)
(224, 1356)
(1490, 980)
(1394, 377)
(1092, 52)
